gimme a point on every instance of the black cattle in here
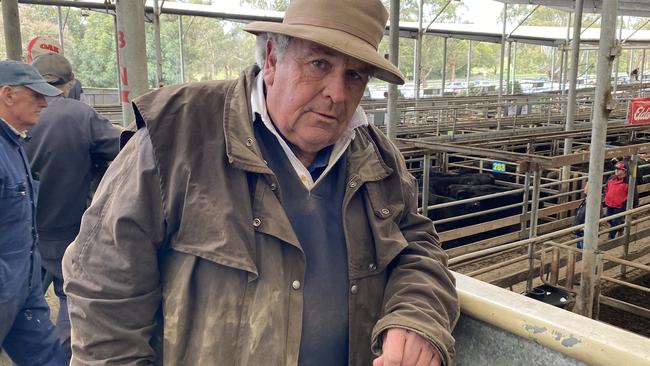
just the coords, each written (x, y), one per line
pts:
(464, 191)
(450, 211)
(439, 182)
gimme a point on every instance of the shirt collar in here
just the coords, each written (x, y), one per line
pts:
(22, 135)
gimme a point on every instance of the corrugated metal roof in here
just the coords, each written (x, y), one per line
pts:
(549, 36)
(636, 8)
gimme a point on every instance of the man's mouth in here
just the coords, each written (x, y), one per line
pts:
(327, 115)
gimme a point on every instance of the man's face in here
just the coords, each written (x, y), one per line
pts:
(312, 92)
(620, 172)
(24, 106)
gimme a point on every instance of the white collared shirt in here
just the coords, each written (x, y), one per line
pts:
(21, 134)
(258, 104)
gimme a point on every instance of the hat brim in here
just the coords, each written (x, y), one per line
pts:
(337, 40)
(44, 88)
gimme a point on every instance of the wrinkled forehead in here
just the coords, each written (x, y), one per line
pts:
(310, 48)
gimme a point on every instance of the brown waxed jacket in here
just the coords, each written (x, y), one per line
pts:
(186, 256)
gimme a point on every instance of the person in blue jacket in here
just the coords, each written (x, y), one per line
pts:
(26, 332)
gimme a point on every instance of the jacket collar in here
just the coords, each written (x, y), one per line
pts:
(364, 159)
(241, 147)
(10, 133)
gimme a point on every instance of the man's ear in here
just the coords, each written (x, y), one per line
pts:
(269, 64)
(6, 94)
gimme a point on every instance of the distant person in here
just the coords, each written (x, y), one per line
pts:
(76, 91)
(26, 332)
(634, 75)
(68, 141)
(615, 196)
(580, 218)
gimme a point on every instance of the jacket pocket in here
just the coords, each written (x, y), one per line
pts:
(383, 220)
(14, 205)
(227, 248)
(14, 268)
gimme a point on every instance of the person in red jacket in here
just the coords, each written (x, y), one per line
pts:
(616, 196)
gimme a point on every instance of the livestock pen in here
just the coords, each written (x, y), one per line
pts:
(525, 220)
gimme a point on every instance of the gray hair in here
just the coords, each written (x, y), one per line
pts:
(280, 44)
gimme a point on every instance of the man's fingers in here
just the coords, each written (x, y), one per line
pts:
(393, 349)
(426, 357)
(437, 358)
(412, 349)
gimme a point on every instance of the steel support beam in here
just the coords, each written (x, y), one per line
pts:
(444, 65)
(573, 81)
(469, 64)
(59, 18)
(133, 58)
(181, 48)
(417, 59)
(156, 32)
(11, 25)
(503, 51)
(602, 108)
(393, 57)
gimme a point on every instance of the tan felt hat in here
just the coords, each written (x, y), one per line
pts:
(352, 27)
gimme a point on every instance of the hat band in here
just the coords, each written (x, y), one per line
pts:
(56, 82)
(318, 22)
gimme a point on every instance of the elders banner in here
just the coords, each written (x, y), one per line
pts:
(640, 111)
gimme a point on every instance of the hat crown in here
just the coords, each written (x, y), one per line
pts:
(55, 68)
(620, 165)
(365, 19)
(18, 73)
(351, 27)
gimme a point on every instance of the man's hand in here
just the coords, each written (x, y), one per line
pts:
(402, 347)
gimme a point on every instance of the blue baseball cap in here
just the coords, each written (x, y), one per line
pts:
(19, 73)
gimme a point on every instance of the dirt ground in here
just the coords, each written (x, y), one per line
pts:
(623, 319)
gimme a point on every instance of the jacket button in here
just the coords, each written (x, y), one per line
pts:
(257, 222)
(372, 267)
(249, 142)
(295, 285)
(273, 187)
(353, 184)
(354, 289)
(385, 211)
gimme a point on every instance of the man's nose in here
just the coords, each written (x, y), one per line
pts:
(337, 87)
(42, 102)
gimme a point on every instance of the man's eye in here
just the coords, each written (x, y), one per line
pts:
(319, 64)
(356, 75)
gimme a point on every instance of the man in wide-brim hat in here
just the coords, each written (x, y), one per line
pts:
(264, 221)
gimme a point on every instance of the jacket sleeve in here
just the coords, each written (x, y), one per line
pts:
(420, 294)
(111, 270)
(104, 139)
